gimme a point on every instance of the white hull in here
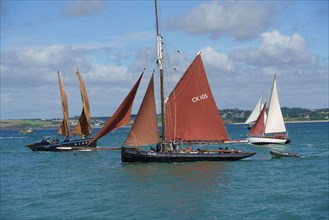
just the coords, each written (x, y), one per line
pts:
(266, 140)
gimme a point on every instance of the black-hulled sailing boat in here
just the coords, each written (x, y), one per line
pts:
(83, 127)
(192, 118)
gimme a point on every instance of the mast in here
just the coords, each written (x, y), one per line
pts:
(65, 127)
(160, 63)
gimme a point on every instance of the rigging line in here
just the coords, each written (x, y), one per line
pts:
(118, 39)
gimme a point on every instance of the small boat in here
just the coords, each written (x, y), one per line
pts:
(82, 128)
(26, 131)
(270, 129)
(275, 153)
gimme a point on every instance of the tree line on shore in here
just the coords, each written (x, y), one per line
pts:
(229, 116)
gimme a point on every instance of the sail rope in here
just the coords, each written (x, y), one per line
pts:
(124, 27)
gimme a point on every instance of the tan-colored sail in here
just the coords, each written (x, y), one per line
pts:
(83, 126)
(144, 131)
(121, 116)
(65, 127)
(192, 113)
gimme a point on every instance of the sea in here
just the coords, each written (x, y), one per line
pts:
(97, 185)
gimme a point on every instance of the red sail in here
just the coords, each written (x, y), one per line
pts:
(65, 127)
(121, 116)
(144, 131)
(83, 126)
(259, 127)
(191, 111)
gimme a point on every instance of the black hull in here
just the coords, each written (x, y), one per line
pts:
(134, 155)
(74, 145)
(266, 143)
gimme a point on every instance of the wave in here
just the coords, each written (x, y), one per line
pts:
(13, 137)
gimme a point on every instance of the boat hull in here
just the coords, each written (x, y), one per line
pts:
(74, 145)
(136, 155)
(275, 153)
(267, 140)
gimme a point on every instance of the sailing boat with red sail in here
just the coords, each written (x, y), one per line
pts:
(185, 124)
(82, 128)
(273, 129)
(192, 117)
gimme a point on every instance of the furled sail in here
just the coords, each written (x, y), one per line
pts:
(144, 131)
(191, 110)
(259, 127)
(83, 126)
(256, 111)
(65, 127)
(274, 122)
(121, 116)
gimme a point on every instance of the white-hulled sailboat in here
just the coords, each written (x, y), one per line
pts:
(273, 131)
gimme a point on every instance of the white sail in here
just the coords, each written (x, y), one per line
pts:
(254, 114)
(274, 122)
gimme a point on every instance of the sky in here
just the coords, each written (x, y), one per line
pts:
(243, 44)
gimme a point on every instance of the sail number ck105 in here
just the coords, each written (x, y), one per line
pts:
(199, 98)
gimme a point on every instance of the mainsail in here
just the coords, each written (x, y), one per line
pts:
(121, 116)
(274, 122)
(65, 127)
(192, 113)
(144, 130)
(83, 126)
(259, 127)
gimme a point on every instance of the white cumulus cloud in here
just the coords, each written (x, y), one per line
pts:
(239, 19)
(277, 49)
(218, 61)
(81, 8)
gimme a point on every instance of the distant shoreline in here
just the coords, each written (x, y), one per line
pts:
(307, 121)
(287, 122)
(20, 124)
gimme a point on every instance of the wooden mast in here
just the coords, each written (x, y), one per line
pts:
(160, 63)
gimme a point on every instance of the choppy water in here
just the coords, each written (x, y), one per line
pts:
(96, 185)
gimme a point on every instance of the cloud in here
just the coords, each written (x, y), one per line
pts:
(38, 64)
(237, 79)
(28, 77)
(240, 77)
(276, 49)
(238, 19)
(2, 8)
(218, 61)
(83, 7)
